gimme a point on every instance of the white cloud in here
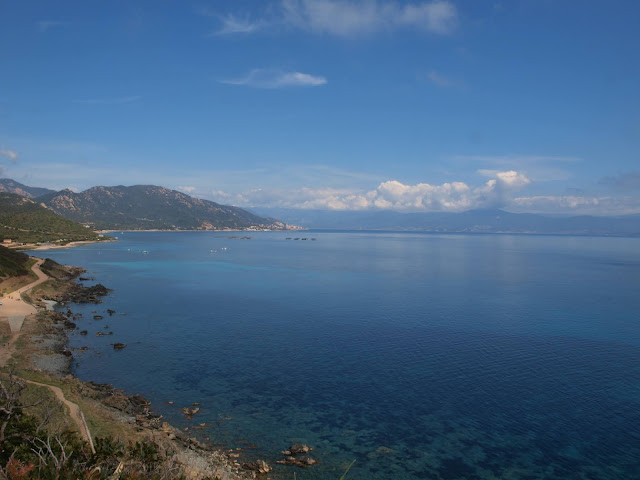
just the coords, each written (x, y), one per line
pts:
(437, 16)
(345, 18)
(265, 78)
(538, 168)
(186, 189)
(230, 24)
(389, 195)
(12, 155)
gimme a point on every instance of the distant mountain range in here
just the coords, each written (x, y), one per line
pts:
(25, 221)
(148, 207)
(11, 186)
(472, 221)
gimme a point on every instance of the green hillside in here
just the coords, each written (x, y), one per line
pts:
(12, 263)
(23, 220)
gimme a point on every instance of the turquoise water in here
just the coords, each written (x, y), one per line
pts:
(420, 356)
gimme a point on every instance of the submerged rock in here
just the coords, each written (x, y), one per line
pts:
(297, 448)
(293, 457)
(190, 411)
(302, 461)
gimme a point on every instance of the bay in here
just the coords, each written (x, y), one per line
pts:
(420, 356)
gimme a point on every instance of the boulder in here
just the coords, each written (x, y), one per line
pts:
(259, 466)
(297, 448)
(190, 411)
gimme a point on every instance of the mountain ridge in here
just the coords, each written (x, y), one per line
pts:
(152, 207)
(7, 185)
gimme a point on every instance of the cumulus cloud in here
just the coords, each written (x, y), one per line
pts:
(11, 155)
(539, 168)
(265, 78)
(186, 189)
(345, 18)
(390, 195)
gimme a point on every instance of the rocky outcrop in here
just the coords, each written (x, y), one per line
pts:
(259, 466)
(296, 455)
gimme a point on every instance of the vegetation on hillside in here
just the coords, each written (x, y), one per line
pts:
(12, 263)
(25, 221)
(32, 446)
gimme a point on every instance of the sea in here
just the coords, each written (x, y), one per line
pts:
(419, 356)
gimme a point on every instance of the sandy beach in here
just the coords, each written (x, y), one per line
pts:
(68, 245)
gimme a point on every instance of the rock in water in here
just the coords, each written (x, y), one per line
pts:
(297, 448)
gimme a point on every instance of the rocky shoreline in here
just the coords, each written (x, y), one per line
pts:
(53, 356)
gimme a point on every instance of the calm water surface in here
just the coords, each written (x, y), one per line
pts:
(420, 356)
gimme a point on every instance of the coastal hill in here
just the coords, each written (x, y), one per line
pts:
(471, 221)
(12, 263)
(148, 207)
(24, 221)
(11, 186)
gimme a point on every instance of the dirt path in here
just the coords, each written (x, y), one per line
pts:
(12, 304)
(14, 310)
(74, 411)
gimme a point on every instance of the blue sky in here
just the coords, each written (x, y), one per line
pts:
(438, 105)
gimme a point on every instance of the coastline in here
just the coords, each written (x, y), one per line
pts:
(292, 229)
(35, 248)
(39, 351)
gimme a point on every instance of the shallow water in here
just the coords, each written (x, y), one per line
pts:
(420, 356)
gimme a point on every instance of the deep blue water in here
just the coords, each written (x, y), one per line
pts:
(420, 356)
